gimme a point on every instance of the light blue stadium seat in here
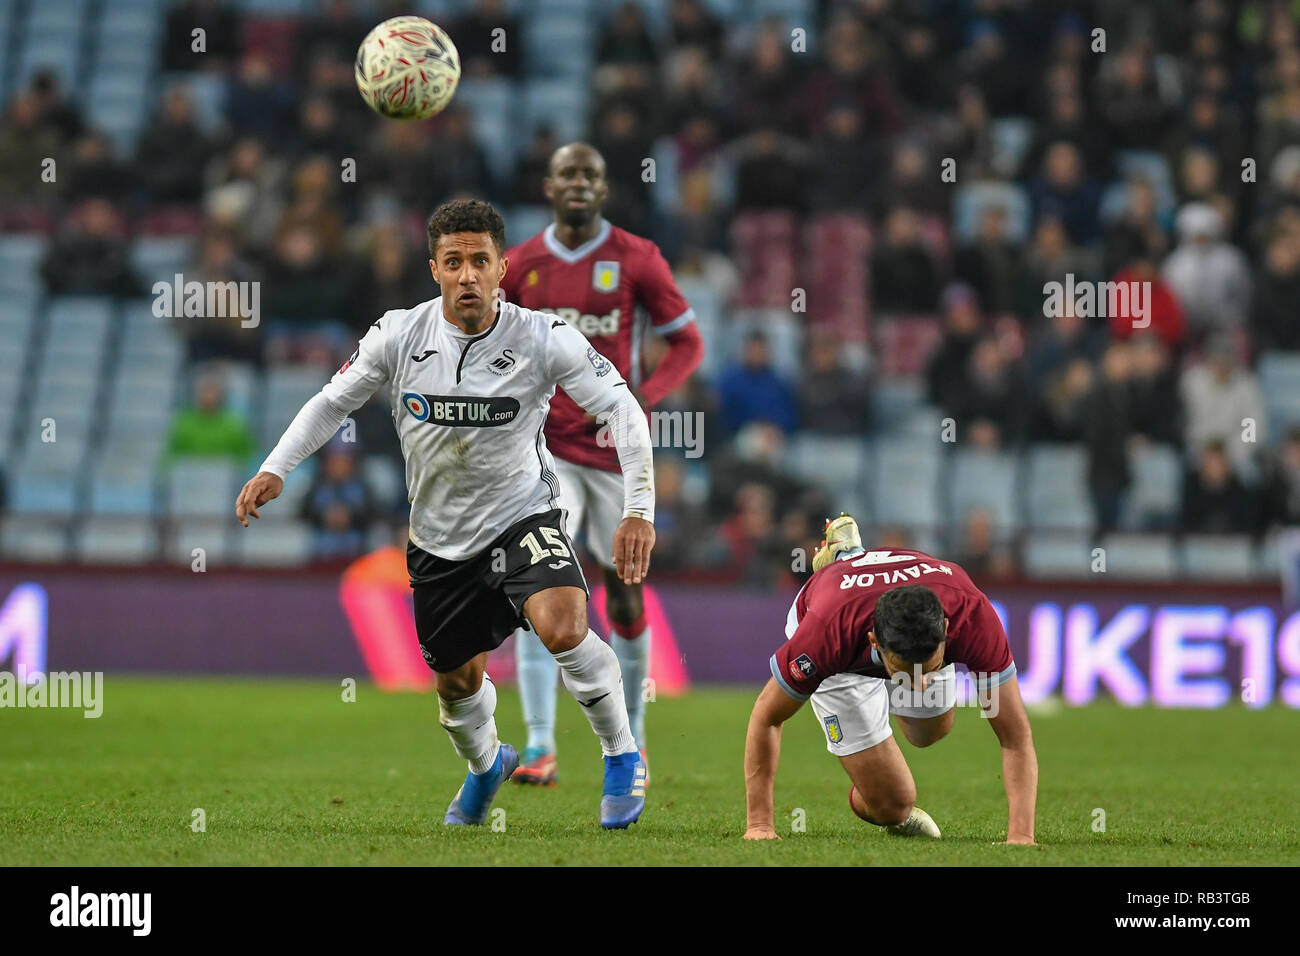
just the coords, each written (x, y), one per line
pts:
(136, 403)
(384, 478)
(215, 537)
(794, 12)
(114, 541)
(903, 482)
(276, 543)
(131, 24)
(272, 7)
(287, 390)
(207, 92)
(1155, 494)
(160, 258)
(559, 104)
(970, 203)
(558, 48)
(25, 538)
(17, 316)
(1147, 557)
(1056, 488)
(524, 222)
(834, 463)
(983, 480)
(896, 402)
(709, 318)
(35, 492)
(78, 326)
(1219, 558)
(1057, 555)
(201, 487)
(784, 334)
(1012, 136)
(1154, 168)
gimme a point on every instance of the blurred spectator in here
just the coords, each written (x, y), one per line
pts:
(319, 129)
(1215, 501)
(979, 550)
(53, 109)
(95, 173)
(220, 26)
(767, 84)
(842, 177)
(1275, 306)
(400, 162)
(833, 399)
(89, 256)
(991, 263)
(25, 143)
(390, 278)
(258, 102)
(691, 24)
(966, 135)
(626, 39)
(1162, 315)
(304, 296)
(221, 336)
(771, 171)
(245, 192)
(336, 34)
(1283, 483)
(757, 549)
(989, 408)
(911, 182)
(924, 79)
(904, 273)
(1107, 423)
(755, 455)
(1156, 408)
(945, 373)
(339, 505)
(1208, 274)
(207, 429)
(679, 543)
(987, 64)
(172, 150)
(1050, 258)
(483, 51)
(534, 165)
(1065, 192)
(1222, 401)
(461, 167)
(850, 73)
(624, 141)
(753, 391)
(1130, 103)
(1137, 232)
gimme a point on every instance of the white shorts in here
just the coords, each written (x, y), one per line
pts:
(593, 499)
(854, 710)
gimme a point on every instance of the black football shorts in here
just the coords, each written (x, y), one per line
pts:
(463, 608)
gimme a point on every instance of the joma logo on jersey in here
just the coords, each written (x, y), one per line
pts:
(588, 324)
(504, 364)
(457, 410)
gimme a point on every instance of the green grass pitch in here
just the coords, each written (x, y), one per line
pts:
(288, 773)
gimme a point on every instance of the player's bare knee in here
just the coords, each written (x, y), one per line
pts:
(928, 732)
(561, 626)
(891, 806)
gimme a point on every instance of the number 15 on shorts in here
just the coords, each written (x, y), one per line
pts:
(540, 553)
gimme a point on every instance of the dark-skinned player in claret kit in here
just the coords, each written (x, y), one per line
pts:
(612, 287)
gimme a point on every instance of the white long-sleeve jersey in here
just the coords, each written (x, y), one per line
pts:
(469, 411)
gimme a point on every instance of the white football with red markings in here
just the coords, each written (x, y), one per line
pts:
(407, 68)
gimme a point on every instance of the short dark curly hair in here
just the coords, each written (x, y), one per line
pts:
(466, 215)
(908, 621)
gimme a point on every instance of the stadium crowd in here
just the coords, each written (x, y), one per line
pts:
(1171, 156)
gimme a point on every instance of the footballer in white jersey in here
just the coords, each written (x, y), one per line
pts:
(469, 378)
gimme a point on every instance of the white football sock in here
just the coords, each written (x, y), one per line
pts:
(591, 674)
(470, 724)
(634, 659)
(535, 669)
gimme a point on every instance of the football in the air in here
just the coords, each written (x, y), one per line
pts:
(407, 68)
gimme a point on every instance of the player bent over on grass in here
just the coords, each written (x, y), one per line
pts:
(877, 632)
(470, 378)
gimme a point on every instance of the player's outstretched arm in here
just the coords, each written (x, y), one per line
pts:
(762, 753)
(256, 492)
(1007, 716)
